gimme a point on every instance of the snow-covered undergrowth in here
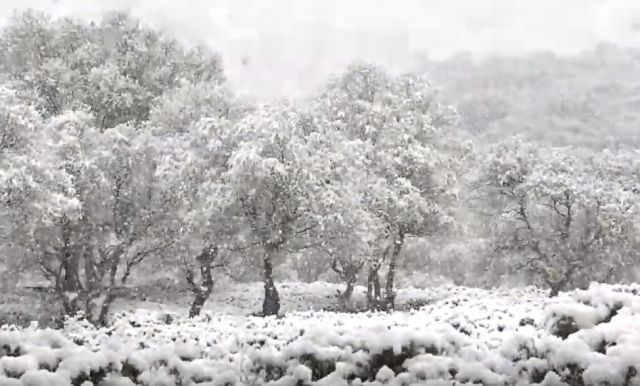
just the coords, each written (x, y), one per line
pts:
(465, 336)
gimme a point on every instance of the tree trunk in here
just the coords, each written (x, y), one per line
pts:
(559, 284)
(70, 304)
(271, 303)
(347, 272)
(103, 316)
(198, 302)
(373, 287)
(70, 286)
(202, 293)
(110, 297)
(390, 295)
(556, 287)
(348, 292)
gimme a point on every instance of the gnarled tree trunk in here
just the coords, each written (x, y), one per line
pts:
(198, 302)
(390, 294)
(373, 287)
(113, 262)
(347, 271)
(555, 287)
(69, 286)
(271, 303)
(203, 290)
(558, 284)
(348, 292)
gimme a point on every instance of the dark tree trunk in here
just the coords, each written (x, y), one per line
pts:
(271, 303)
(373, 287)
(198, 302)
(556, 286)
(555, 289)
(202, 293)
(113, 263)
(70, 305)
(390, 295)
(70, 286)
(203, 290)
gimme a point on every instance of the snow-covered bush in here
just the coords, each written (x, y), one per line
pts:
(464, 337)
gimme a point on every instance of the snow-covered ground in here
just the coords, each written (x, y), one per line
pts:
(246, 299)
(460, 336)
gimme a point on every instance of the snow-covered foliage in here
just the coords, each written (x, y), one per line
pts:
(464, 336)
(405, 137)
(29, 168)
(113, 70)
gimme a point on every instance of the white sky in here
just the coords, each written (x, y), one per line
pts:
(292, 45)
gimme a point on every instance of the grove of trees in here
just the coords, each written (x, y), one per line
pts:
(119, 146)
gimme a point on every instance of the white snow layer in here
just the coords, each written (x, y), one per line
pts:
(464, 336)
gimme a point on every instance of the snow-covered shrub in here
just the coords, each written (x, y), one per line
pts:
(464, 336)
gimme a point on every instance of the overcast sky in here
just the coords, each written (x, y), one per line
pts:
(279, 47)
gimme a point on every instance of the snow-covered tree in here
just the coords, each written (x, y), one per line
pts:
(191, 164)
(410, 152)
(280, 179)
(28, 169)
(349, 243)
(112, 220)
(179, 108)
(350, 240)
(80, 179)
(29, 175)
(113, 70)
(565, 216)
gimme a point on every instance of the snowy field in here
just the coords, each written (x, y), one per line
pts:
(457, 336)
